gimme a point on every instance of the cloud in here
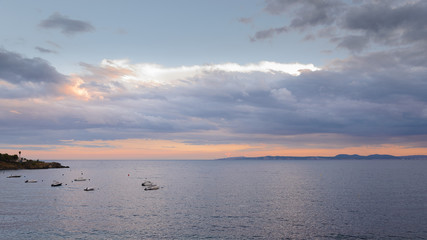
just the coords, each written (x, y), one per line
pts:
(283, 95)
(245, 20)
(17, 69)
(360, 97)
(378, 98)
(354, 43)
(53, 44)
(353, 25)
(66, 25)
(306, 12)
(269, 33)
(120, 75)
(44, 50)
(125, 100)
(388, 24)
(15, 112)
(23, 78)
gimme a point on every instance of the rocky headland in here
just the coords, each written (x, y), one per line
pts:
(12, 162)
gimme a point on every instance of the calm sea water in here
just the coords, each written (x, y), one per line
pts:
(218, 199)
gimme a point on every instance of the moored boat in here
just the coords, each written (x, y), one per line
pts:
(153, 187)
(56, 184)
(30, 181)
(80, 179)
(147, 183)
(89, 189)
(14, 176)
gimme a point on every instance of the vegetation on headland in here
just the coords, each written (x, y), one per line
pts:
(11, 162)
(337, 157)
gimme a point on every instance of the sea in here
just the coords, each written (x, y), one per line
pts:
(218, 199)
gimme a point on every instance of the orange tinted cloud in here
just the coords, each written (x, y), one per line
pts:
(75, 89)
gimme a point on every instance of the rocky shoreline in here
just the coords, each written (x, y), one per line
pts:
(10, 162)
(29, 164)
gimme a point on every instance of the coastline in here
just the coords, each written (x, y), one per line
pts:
(337, 157)
(29, 164)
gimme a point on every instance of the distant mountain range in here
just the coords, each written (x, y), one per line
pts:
(337, 157)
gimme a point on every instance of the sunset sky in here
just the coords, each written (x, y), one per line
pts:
(211, 79)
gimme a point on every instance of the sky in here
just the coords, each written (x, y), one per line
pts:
(212, 79)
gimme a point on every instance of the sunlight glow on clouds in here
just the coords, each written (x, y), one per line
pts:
(75, 89)
(158, 73)
(15, 112)
(121, 75)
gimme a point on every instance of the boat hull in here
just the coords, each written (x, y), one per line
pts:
(151, 188)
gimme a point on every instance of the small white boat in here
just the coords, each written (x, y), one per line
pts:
(14, 176)
(147, 183)
(80, 179)
(56, 184)
(89, 189)
(153, 187)
(30, 181)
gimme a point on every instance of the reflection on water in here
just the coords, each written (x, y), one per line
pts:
(218, 199)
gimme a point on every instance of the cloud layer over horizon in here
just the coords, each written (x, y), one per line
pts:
(217, 104)
(374, 96)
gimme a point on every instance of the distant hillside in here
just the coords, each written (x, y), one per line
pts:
(10, 162)
(337, 157)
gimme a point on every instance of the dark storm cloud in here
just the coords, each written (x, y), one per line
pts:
(66, 25)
